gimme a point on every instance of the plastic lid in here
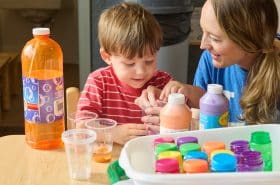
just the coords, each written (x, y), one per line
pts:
(41, 31)
(195, 166)
(239, 146)
(171, 154)
(195, 113)
(163, 140)
(176, 98)
(187, 139)
(165, 147)
(223, 162)
(215, 152)
(167, 165)
(260, 137)
(196, 155)
(185, 148)
(210, 146)
(215, 88)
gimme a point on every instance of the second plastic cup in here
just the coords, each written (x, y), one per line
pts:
(84, 116)
(103, 145)
(78, 145)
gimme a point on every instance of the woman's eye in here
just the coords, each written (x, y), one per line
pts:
(214, 39)
(149, 62)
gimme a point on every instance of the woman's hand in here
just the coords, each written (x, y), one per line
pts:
(124, 132)
(173, 87)
(148, 97)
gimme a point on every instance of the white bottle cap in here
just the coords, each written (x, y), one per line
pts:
(176, 98)
(215, 88)
(41, 31)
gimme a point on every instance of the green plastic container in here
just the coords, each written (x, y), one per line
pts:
(115, 172)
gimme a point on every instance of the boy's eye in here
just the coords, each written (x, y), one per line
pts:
(129, 64)
(149, 62)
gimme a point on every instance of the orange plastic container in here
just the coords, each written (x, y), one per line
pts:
(43, 91)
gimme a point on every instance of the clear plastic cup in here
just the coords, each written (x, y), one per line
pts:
(103, 145)
(73, 122)
(78, 145)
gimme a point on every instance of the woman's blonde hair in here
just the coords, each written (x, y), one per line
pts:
(130, 30)
(252, 24)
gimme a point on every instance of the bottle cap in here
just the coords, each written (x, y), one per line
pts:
(195, 113)
(185, 148)
(186, 139)
(215, 152)
(171, 154)
(176, 98)
(163, 140)
(196, 155)
(215, 88)
(165, 147)
(239, 146)
(195, 166)
(40, 31)
(210, 146)
(260, 137)
(167, 165)
(223, 162)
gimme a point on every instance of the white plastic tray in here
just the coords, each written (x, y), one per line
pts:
(137, 159)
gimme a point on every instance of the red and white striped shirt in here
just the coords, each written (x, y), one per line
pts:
(105, 95)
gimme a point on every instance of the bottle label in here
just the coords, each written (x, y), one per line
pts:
(164, 130)
(207, 121)
(43, 99)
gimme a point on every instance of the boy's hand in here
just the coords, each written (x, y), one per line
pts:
(124, 132)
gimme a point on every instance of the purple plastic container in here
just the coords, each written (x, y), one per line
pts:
(238, 147)
(213, 108)
(252, 161)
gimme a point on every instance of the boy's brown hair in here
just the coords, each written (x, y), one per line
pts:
(130, 30)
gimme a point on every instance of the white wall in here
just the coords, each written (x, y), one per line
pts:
(16, 30)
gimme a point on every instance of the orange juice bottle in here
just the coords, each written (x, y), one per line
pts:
(175, 116)
(43, 90)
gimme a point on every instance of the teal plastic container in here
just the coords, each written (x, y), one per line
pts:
(260, 141)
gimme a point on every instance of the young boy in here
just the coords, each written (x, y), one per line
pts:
(129, 38)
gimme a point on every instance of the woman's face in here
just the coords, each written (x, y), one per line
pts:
(223, 50)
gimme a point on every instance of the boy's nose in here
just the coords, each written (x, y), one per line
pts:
(140, 69)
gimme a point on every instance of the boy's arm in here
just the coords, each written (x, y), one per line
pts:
(91, 97)
(125, 132)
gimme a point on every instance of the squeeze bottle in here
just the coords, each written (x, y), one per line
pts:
(43, 91)
(175, 116)
(213, 108)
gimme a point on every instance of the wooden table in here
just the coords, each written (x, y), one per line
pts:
(20, 164)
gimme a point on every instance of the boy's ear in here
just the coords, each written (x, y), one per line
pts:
(106, 57)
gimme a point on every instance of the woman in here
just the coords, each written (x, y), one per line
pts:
(242, 54)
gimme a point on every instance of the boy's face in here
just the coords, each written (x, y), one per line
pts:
(133, 72)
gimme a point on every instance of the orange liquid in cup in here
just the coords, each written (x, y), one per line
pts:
(102, 154)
